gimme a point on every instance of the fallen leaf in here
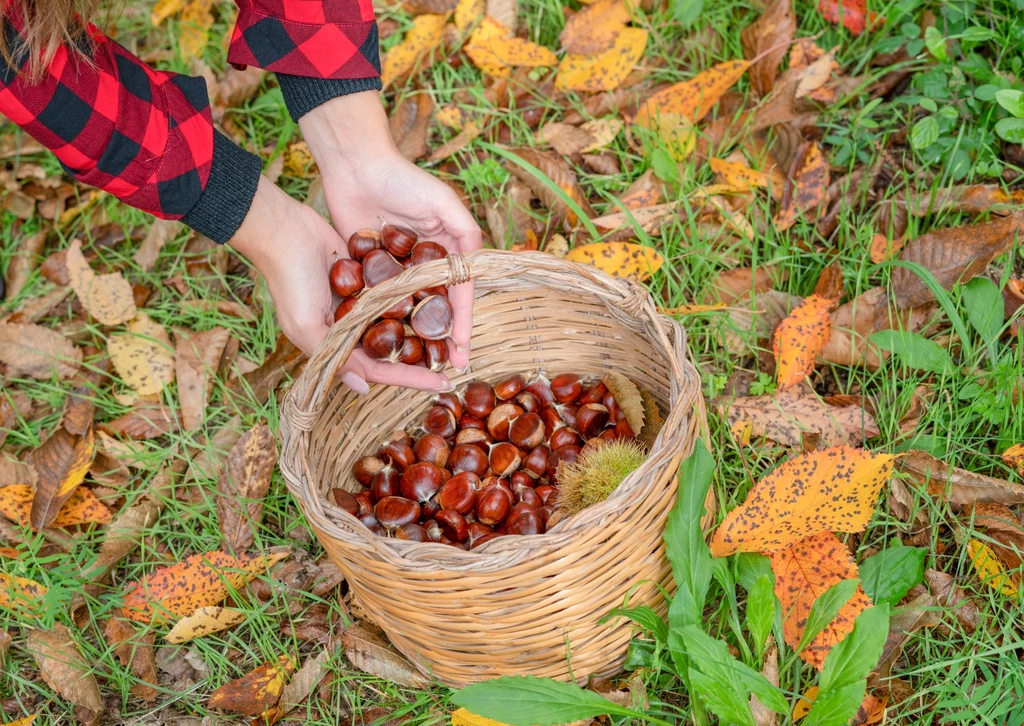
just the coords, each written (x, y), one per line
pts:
(27, 721)
(82, 507)
(595, 27)
(256, 691)
(419, 7)
(871, 711)
(465, 717)
(196, 359)
(457, 143)
(951, 596)
(830, 284)
(692, 309)
(999, 523)
(764, 716)
(555, 168)
(304, 682)
(759, 320)
(730, 286)
(990, 570)
(23, 262)
(424, 35)
(738, 175)
(692, 99)
(768, 37)
(409, 123)
(61, 463)
(505, 12)
(204, 621)
(107, 298)
(952, 255)
(961, 488)
(804, 570)
(14, 406)
(649, 219)
(195, 23)
(37, 352)
(146, 420)
(973, 199)
(160, 233)
(604, 71)
(786, 416)
(494, 50)
(882, 248)
(143, 357)
(136, 651)
(20, 594)
(242, 485)
(799, 338)
(565, 138)
(619, 259)
(1014, 458)
(379, 661)
(197, 581)
(921, 612)
(64, 668)
(809, 186)
(468, 13)
(822, 491)
(816, 75)
(164, 9)
(853, 14)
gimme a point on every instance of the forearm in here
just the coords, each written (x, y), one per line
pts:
(349, 130)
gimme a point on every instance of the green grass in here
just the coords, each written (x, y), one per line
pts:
(967, 425)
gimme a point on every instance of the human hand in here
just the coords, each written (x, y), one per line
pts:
(366, 179)
(293, 247)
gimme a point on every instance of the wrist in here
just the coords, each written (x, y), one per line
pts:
(350, 129)
(255, 236)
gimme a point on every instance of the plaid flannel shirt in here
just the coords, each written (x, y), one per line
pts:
(147, 136)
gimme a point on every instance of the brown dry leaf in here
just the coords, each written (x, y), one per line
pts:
(146, 420)
(627, 398)
(22, 595)
(649, 219)
(495, 51)
(421, 7)
(23, 262)
(136, 651)
(951, 596)
(830, 284)
(619, 259)
(653, 422)
(14, 405)
(242, 485)
(257, 691)
(505, 12)
(764, 716)
(822, 491)
(594, 28)
(770, 34)
(13, 471)
(107, 298)
(409, 123)
(999, 523)
(1013, 457)
(971, 199)
(961, 488)
(424, 35)
(64, 668)
(882, 248)
(195, 582)
(304, 682)
(803, 571)
(285, 360)
(61, 463)
(382, 662)
(692, 99)
(787, 416)
(457, 143)
(799, 338)
(196, 359)
(809, 186)
(160, 233)
(128, 527)
(37, 352)
(921, 612)
(760, 319)
(204, 621)
(814, 77)
(143, 357)
(730, 286)
(605, 71)
(82, 507)
(559, 172)
(565, 138)
(952, 255)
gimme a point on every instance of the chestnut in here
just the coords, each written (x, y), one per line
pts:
(476, 437)
(477, 530)
(412, 532)
(499, 422)
(453, 525)
(459, 493)
(399, 452)
(362, 243)
(383, 340)
(468, 457)
(432, 449)
(484, 540)
(346, 277)
(552, 421)
(427, 251)
(541, 388)
(536, 462)
(365, 499)
(568, 454)
(594, 394)
(529, 496)
(591, 418)
(385, 483)
(433, 530)
(400, 436)
(371, 522)
(509, 387)
(379, 266)
(608, 435)
(526, 431)
(566, 387)
(545, 492)
(520, 479)
(344, 308)
(567, 412)
(592, 444)
(564, 436)
(435, 354)
(429, 509)
(346, 501)
(612, 405)
(524, 518)
(467, 421)
(412, 351)
(493, 505)
(450, 401)
(623, 430)
(393, 512)
(529, 402)
(439, 420)
(432, 319)
(366, 468)
(505, 458)
(478, 399)
(399, 241)
(400, 309)
(421, 481)
(426, 292)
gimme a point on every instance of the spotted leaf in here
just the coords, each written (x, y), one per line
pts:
(594, 28)
(619, 259)
(144, 356)
(809, 187)
(494, 50)
(799, 338)
(1014, 458)
(81, 507)
(737, 175)
(606, 70)
(991, 571)
(256, 691)
(425, 35)
(20, 594)
(204, 621)
(108, 298)
(692, 99)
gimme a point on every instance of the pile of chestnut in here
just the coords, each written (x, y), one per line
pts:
(486, 463)
(413, 331)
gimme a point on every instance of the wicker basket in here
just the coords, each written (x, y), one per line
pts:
(516, 605)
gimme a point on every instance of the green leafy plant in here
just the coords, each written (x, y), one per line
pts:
(1011, 129)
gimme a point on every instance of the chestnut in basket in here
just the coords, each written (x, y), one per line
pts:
(393, 512)
(383, 340)
(432, 318)
(379, 266)
(566, 387)
(479, 399)
(421, 481)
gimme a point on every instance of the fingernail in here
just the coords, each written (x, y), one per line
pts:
(461, 347)
(446, 386)
(355, 382)
(462, 370)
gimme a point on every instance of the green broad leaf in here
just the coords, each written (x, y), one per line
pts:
(976, 34)
(1012, 101)
(924, 133)
(825, 609)
(682, 611)
(936, 42)
(664, 166)
(684, 539)
(639, 654)
(928, 104)
(727, 702)
(643, 616)
(913, 350)
(986, 92)
(1011, 129)
(837, 707)
(532, 701)
(686, 12)
(887, 576)
(752, 566)
(856, 655)
(984, 304)
(761, 610)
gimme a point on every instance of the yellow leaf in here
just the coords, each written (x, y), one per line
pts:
(196, 20)
(144, 356)
(1014, 458)
(425, 35)
(21, 593)
(604, 71)
(741, 431)
(256, 691)
(81, 507)
(619, 259)
(595, 28)
(803, 706)
(108, 298)
(27, 721)
(833, 490)
(492, 47)
(298, 161)
(463, 717)
(799, 338)
(204, 621)
(692, 309)
(165, 9)
(692, 99)
(883, 249)
(737, 175)
(810, 185)
(990, 570)
(604, 131)
(452, 116)
(468, 13)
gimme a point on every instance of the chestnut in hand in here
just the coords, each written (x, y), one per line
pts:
(344, 308)
(435, 354)
(346, 277)
(397, 240)
(427, 251)
(362, 243)
(384, 339)
(433, 318)
(379, 266)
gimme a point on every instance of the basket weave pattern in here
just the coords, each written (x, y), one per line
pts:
(516, 605)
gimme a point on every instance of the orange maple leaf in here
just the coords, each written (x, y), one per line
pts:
(799, 338)
(803, 572)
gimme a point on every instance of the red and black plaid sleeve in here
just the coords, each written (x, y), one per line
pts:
(143, 135)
